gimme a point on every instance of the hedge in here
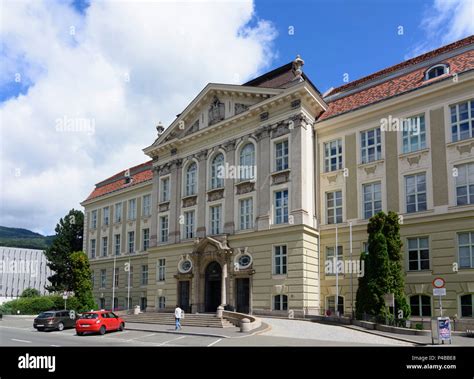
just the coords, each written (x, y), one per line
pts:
(35, 305)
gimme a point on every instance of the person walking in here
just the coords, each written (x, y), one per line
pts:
(178, 314)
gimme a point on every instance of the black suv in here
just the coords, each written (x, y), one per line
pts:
(55, 320)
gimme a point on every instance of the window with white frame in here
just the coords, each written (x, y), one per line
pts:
(105, 241)
(103, 278)
(217, 171)
(281, 155)
(281, 206)
(465, 184)
(165, 189)
(161, 270)
(118, 212)
(116, 276)
(105, 215)
(191, 179)
(418, 254)
(466, 249)
(280, 302)
(161, 302)
(279, 260)
(467, 305)
(372, 193)
(189, 224)
(462, 120)
(334, 207)
(331, 304)
(117, 244)
(144, 280)
(246, 213)
(333, 155)
(371, 145)
(331, 265)
(164, 229)
(420, 305)
(146, 207)
(131, 242)
(215, 219)
(146, 239)
(414, 134)
(435, 71)
(93, 247)
(132, 209)
(247, 162)
(94, 219)
(415, 192)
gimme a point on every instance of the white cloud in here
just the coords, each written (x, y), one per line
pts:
(444, 22)
(125, 66)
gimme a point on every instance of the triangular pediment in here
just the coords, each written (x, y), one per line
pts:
(211, 244)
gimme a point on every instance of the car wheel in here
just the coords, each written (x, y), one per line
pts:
(80, 333)
(122, 326)
(102, 330)
(60, 326)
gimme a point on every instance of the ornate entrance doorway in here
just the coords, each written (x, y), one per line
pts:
(242, 295)
(183, 292)
(213, 285)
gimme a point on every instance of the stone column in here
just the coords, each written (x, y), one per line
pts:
(228, 215)
(201, 196)
(262, 187)
(175, 200)
(223, 283)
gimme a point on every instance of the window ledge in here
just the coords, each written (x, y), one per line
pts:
(417, 214)
(279, 276)
(371, 163)
(461, 207)
(460, 142)
(419, 272)
(280, 171)
(245, 181)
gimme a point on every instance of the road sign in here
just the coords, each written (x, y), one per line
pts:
(439, 291)
(439, 283)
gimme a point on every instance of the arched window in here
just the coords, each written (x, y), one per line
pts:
(217, 172)
(467, 305)
(247, 162)
(191, 178)
(331, 305)
(280, 303)
(420, 305)
(435, 71)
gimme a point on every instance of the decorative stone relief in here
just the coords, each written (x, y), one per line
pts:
(370, 169)
(414, 160)
(240, 108)
(215, 195)
(163, 207)
(189, 201)
(245, 187)
(194, 128)
(281, 129)
(216, 111)
(465, 148)
(281, 177)
(331, 179)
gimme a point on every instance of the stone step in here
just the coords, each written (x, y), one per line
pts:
(199, 320)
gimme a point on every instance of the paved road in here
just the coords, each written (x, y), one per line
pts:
(19, 332)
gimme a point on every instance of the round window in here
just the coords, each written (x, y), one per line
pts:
(186, 266)
(245, 261)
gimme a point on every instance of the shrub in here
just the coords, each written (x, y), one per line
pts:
(35, 305)
(30, 292)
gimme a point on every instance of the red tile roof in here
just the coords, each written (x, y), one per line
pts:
(399, 84)
(138, 174)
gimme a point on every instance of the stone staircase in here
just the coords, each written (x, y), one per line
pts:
(190, 319)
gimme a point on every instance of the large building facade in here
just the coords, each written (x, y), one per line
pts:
(255, 189)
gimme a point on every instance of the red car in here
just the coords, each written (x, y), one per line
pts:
(99, 322)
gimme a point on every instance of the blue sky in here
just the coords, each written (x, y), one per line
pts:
(113, 69)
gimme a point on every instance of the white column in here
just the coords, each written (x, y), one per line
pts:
(223, 289)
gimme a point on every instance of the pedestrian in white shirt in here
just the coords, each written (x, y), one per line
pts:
(178, 314)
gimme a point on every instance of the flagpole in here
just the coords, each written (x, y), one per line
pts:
(352, 269)
(113, 286)
(336, 251)
(128, 292)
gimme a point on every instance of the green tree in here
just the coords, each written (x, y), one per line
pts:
(81, 280)
(69, 234)
(30, 292)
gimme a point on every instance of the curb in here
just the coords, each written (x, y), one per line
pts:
(383, 335)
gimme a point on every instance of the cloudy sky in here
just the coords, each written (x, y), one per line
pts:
(113, 69)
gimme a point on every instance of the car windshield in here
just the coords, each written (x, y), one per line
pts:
(90, 316)
(46, 315)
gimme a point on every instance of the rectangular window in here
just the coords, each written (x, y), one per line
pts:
(92, 248)
(281, 155)
(161, 302)
(118, 212)
(420, 305)
(331, 265)
(105, 214)
(279, 260)
(418, 254)
(189, 224)
(372, 199)
(161, 270)
(144, 281)
(94, 219)
(462, 120)
(116, 277)
(165, 189)
(280, 302)
(334, 207)
(281, 206)
(117, 244)
(371, 145)
(146, 239)
(146, 207)
(333, 155)
(131, 242)
(105, 241)
(215, 219)
(246, 213)
(132, 209)
(164, 229)
(467, 309)
(465, 184)
(415, 192)
(103, 278)
(414, 134)
(466, 250)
